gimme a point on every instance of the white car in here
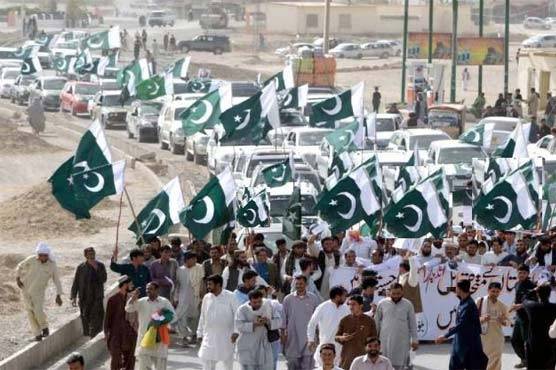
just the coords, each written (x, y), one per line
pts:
(289, 119)
(106, 106)
(536, 23)
(386, 124)
(396, 46)
(303, 171)
(244, 169)
(544, 147)
(306, 142)
(196, 146)
(7, 55)
(540, 41)
(503, 127)
(420, 138)
(347, 50)
(170, 131)
(292, 49)
(8, 76)
(379, 50)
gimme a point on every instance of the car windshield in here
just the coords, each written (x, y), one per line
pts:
(151, 109)
(244, 89)
(459, 155)
(27, 81)
(424, 141)
(4, 54)
(279, 205)
(178, 112)
(110, 85)
(57, 84)
(443, 119)
(111, 101)
(180, 88)
(385, 124)
(266, 161)
(501, 125)
(291, 119)
(302, 175)
(86, 89)
(11, 74)
(312, 138)
(245, 140)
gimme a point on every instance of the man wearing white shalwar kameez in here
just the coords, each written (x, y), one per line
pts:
(326, 317)
(189, 280)
(216, 325)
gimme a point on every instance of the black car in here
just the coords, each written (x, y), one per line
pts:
(215, 44)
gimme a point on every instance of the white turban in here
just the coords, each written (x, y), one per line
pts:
(43, 248)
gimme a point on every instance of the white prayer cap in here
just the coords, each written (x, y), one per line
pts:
(43, 248)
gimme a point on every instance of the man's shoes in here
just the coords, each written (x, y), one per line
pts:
(521, 365)
(45, 332)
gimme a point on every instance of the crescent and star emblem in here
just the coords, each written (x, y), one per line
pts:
(160, 216)
(337, 107)
(415, 227)
(349, 214)
(509, 209)
(245, 121)
(209, 214)
(206, 115)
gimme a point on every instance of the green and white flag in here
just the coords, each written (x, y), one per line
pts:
(506, 204)
(205, 112)
(291, 223)
(296, 97)
(247, 117)
(407, 177)
(348, 138)
(414, 158)
(344, 105)
(62, 64)
(31, 66)
(154, 87)
(133, 74)
(212, 207)
(97, 183)
(255, 211)
(63, 191)
(27, 52)
(516, 144)
(280, 173)
(110, 60)
(421, 210)
(160, 213)
(283, 80)
(109, 39)
(480, 134)
(44, 40)
(339, 165)
(198, 85)
(84, 63)
(351, 200)
(179, 68)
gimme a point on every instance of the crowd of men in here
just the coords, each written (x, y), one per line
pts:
(256, 302)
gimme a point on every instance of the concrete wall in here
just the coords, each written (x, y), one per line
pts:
(533, 64)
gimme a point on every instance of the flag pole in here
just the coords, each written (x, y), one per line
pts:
(134, 216)
(119, 219)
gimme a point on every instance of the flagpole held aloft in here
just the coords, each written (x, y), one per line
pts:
(119, 218)
(134, 216)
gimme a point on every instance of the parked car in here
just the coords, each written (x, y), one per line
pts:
(347, 50)
(20, 89)
(75, 97)
(161, 18)
(332, 42)
(214, 44)
(378, 50)
(142, 120)
(536, 23)
(47, 89)
(293, 48)
(170, 131)
(107, 107)
(540, 41)
(396, 46)
(8, 75)
(543, 147)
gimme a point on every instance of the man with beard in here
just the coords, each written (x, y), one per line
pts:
(233, 273)
(372, 360)
(249, 281)
(353, 331)
(88, 286)
(396, 326)
(215, 264)
(328, 259)
(471, 255)
(216, 325)
(540, 348)
(523, 290)
(326, 318)
(467, 350)
(120, 335)
(437, 249)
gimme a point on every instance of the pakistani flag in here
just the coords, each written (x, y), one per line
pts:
(351, 200)
(133, 74)
(516, 144)
(421, 210)
(200, 86)
(44, 39)
(407, 177)
(282, 80)
(255, 211)
(110, 60)
(248, 117)
(97, 183)
(84, 62)
(280, 173)
(109, 39)
(291, 223)
(26, 52)
(62, 64)
(160, 213)
(507, 203)
(154, 87)
(63, 191)
(211, 207)
(296, 97)
(480, 134)
(205, 112)
(31, 66)
(179, 68)
(415, 158)
(340, 164)
(348, 138)
(347, 104)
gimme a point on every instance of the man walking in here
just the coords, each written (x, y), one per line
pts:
(32, 276)
(326, 318)
(165, 41)
(215, 264)
(298, 308)
(88, 286)
(155, 357)
(216, 325)
(187, 297)
(120, 335)
(163, 272)
(523, 290)
(397, 328)
(136, 270)
(533, 103)
(467, 350)
(540, 348)
(328, 357)
(494, 315)
(376, 100)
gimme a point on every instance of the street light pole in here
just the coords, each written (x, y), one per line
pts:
(404, 51)
(431, 12)
(481, 15)
(326, 32)
(454, 50)
(506, 46)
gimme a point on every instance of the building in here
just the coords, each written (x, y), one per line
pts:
(535, 69)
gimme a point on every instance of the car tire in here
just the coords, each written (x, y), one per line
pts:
(163, 145)
(359, 56)
(217, 51)
(196, 157)
(188, 156)
(385, 55)
(173, 148)
(103, 123)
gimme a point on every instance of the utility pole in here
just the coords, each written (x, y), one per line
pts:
(326, 32)
(431, 13)
(454, 50)
(506, 46)
(404, 51)
(481, 15)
